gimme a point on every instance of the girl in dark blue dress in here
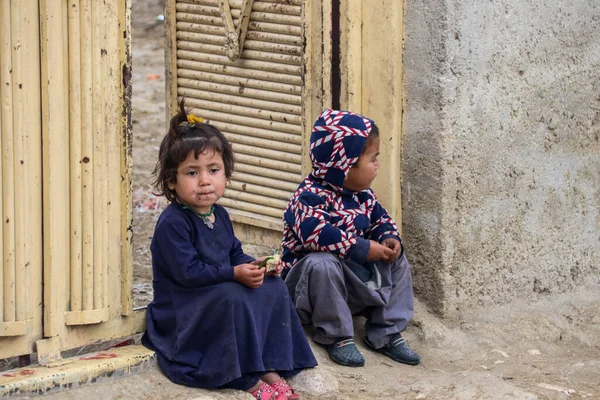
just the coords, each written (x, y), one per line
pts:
(217, 320)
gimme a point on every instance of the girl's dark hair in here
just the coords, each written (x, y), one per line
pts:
(182, 138)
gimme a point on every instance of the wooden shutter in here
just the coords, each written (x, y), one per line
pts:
(259, 101)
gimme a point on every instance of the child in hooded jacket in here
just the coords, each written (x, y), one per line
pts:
(342, 253)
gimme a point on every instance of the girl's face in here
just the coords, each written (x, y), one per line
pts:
(361, 175)
(200, 181)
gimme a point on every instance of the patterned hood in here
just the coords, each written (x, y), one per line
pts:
(336, 142)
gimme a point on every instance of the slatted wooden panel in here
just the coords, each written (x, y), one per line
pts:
(65, 170)
(256, 100)
(86, 170)
(20, 171)
(91, 92)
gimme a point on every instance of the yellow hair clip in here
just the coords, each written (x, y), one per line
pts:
(193, 120)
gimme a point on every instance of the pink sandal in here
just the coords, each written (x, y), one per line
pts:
(267, 392)
(283, 387)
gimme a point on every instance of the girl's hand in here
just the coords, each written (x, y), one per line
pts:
(248, 275)
(395, 246)
(258, 260)
(379, 252)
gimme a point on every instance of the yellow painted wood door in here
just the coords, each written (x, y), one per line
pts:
(85, 58)
(20, 169)
(66, 174)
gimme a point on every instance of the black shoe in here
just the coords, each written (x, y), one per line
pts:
(397, 350)
(344, 352)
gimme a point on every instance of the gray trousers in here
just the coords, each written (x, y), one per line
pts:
(327, 294)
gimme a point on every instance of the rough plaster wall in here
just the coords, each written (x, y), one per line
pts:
(421, 149)
(516, 121)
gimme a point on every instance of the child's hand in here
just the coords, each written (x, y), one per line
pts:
(248, 275)
(395, 246)
(258, 261)
(379, 252)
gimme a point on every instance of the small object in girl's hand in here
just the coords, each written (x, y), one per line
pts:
(270, 263)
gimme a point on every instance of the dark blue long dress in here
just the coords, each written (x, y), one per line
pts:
(208, 330)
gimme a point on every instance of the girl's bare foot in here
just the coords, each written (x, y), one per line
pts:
(270, 377)
(282, 387)
(264, 391)
(255, 387)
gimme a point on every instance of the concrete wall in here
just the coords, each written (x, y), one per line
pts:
(501, 159)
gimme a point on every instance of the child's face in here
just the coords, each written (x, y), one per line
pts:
(200, 181)
(361, 175)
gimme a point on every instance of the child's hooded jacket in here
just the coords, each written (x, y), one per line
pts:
(322, 216)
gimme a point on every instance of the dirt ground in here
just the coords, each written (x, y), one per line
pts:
(546, 350)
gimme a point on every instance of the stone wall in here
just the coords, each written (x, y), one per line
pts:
(501, 153)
